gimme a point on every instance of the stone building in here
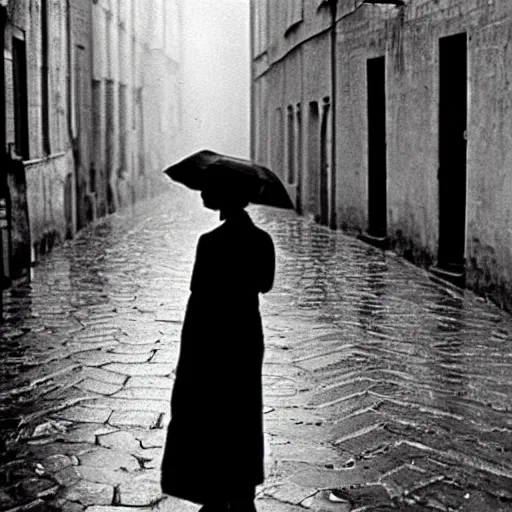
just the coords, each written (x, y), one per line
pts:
(136, 99)
(38, 160)
(392, 120)
(92, 112)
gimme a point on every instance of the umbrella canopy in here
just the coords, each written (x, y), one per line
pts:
(199, 170)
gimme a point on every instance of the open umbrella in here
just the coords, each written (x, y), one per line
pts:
(199, 169)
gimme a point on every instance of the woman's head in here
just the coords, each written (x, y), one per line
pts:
(224, 195)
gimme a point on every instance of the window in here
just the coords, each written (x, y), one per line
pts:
(123, 119)
(260, 26)
(299, 138)
(294, 12)
(78, 87)
(278, 136)
(109, 145)
(291, 145)
(298, 119)
(97, 133)
(257, 119)
(20, 98)
(139, 108)
(108, 45)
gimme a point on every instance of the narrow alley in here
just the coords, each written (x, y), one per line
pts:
(384, 389)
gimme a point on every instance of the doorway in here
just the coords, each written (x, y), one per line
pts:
(377, 167)
(325, 162)
(298, 193)
(313, 158)
(21, 127)
(452, 174)
(80, 155)
(109, 144)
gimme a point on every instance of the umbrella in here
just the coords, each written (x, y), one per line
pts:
(198, 170)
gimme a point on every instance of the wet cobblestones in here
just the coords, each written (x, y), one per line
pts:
(384, 389)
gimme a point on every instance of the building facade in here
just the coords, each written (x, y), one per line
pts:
(38, 160)
(136, 98)
(92, 113)
(392, 120)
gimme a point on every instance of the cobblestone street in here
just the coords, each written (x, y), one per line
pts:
(384, 389)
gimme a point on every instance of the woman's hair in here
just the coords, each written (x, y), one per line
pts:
(229, 193)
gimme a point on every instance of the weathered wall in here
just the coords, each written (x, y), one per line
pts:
(351, 127)
(411, 97)
(47, 166)
(317, 87)
(136, 97)
(408, 37)
(412, 137)
(291, 70)
(80, 60)
(46, 191)
(489, 222)
(113, 109)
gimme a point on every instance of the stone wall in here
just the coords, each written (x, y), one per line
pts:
(409, 39)
(294, 67)
(47, 188)
(136, 98)
(109, 119)
(48, 160)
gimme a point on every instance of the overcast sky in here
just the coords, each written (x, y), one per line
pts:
(217, 71)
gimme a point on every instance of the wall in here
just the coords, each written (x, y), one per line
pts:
(290, 69)
(80, 96)
(489, 226)
(137, 100)
(46, 184)
(108, 120)
(47, 169)
(408, 38)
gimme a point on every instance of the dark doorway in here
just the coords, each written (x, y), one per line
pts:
(45, 78)
(313, 148)
(325, 155)
(291, 146)
(139, 122)
(377, 171)
(20, 98)
(79, 153)
(298, 195)
(97, 147)
(109, 145)
(452, 152)
(123, 127)
(278, 161)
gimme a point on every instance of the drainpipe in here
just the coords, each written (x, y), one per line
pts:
(333, 4)
(3, 20)
(69, 55)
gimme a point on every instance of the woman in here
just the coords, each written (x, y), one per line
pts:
(214, 448)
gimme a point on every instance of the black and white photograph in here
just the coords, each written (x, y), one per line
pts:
(256, 256)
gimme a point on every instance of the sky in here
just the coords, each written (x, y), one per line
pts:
(217, 76)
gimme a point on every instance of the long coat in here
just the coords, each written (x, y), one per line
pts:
(214, 443)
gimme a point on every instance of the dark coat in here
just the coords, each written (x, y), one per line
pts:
(215, 438)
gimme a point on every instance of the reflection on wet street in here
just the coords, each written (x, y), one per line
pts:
(379, 381)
